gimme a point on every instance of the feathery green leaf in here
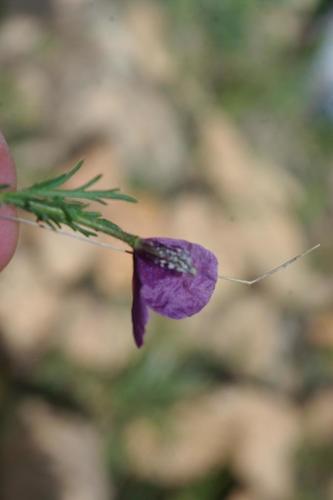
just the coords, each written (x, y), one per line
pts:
(55, 206)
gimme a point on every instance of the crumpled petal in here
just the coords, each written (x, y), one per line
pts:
(139, 309)
(174, 294)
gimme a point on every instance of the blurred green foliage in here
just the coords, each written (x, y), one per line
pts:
(226, 23)
(261, 81)
(314, 470)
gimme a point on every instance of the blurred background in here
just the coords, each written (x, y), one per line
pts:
(218, 116)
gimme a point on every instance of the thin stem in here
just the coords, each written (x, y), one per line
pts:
(108, 227)
(271, 271)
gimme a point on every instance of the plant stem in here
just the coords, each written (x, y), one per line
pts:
(58, 211)
(108, 227)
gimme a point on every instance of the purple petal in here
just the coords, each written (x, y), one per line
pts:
(174, 294)
(139, 308)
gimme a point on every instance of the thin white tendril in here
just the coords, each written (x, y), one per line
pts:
(65, 233)
(102, 244)
(271, 271)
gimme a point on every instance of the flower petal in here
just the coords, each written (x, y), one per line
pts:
(139, 308)
(174, 294)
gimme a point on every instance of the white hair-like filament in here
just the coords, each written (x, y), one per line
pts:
(85, 239)
(102, 244)
(283, 265)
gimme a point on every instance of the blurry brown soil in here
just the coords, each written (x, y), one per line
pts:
(100, 95)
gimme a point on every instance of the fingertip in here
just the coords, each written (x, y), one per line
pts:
(8, 236)
(8, 229)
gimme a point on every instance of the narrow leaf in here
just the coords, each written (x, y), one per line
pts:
(89, 183)
(57, 181)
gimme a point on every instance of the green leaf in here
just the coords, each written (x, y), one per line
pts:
(57, 207)
(89, 183)
(99, 196)
(57, 181)
(48, 189)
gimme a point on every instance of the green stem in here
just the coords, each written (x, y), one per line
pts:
(108, 227)
(59, 211)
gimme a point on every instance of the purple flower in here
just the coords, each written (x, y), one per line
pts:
(175, 278)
